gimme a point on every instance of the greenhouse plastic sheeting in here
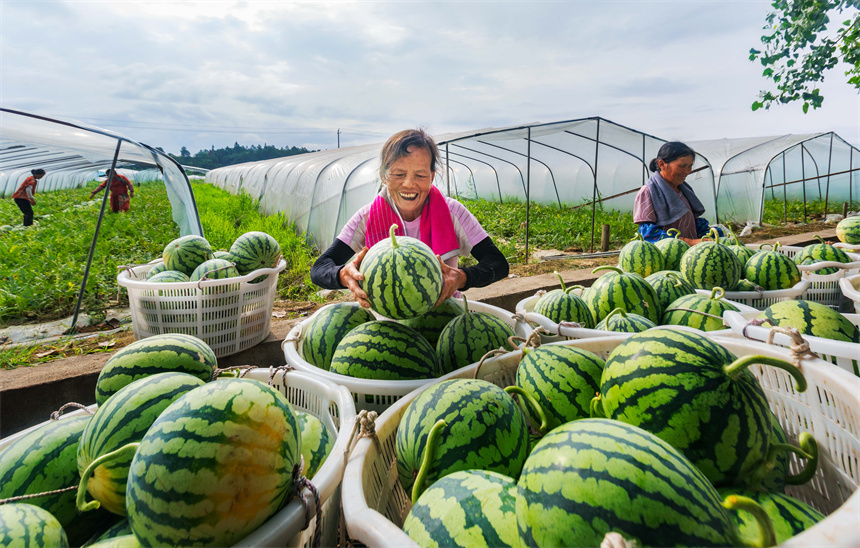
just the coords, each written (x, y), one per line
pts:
(73, 153)
(572, 162)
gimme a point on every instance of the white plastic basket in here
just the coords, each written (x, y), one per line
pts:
(760, 300)
(844, 354)
(850, 287)
(230, 315)
(829, 409)
(333, 406)
(525, 308)
(379, 395)
(847, 247)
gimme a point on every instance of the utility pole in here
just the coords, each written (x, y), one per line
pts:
(338, 137)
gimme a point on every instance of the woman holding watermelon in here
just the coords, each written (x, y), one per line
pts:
(667, 201)
(408, 198)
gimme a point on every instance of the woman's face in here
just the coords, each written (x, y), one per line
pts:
(676, 171)
(409, 180)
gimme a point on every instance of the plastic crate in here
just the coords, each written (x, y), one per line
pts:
(379, 395)
(559, 332)
(829, 409)
(230, 315)
(333, 406)
(844, 354)
(847, 247)
(760, 300)
(850, 287)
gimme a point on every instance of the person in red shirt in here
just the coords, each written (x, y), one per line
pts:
(121, 191)
(24, 195)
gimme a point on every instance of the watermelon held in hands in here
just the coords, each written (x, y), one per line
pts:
(848, 230)
(187, 253)
(672, 249)
(255, 250)
(641, 257)
(772, 270)
(562, 305)
(402, 277)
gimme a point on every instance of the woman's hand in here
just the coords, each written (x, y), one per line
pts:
(452, 280)
(350, 277)
(691, 241)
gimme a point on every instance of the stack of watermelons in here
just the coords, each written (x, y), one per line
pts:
(190, 258)
(170, 457)
(679, 448)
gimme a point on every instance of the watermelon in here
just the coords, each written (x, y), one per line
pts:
(118, 529)
(214, 269)
(402, 277)
(710, 264)
(471, 509)
(168, 276)
(746, 285)
(468, 337)
(562, 305)
(772, 270)
(186, 253)
(385, 350)
(695, 395)
(772, 474)
(122, 541)
(327, 327)
(811, 318)
(255, 250)
(316, 443)
(641, 257)
(431, 323)
(672, 249)
(821, 252)
(214, 466)
(699, 311)
(789, 516)
(222, 254)
(620, 321)
(157, 269)
(124, 418)
(562, 379)
(478, 426)
(617, 289)
(157, 354)
(27, 526)
(742, 252)
(669, 286)
(848, 230)
(590, 477)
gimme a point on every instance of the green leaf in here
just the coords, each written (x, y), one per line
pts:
(805, 108)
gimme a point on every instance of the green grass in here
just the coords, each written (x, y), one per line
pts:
(775, 210)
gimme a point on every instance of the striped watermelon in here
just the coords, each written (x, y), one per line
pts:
(821, 252)
(471, 509)
(27, 526)
(431, 323)
(811, 318)
(562, 305)
(641, 257)
(617, 289)
(214, 466)
(848, 230)
(771, 270)
(789, 516)
(746, 285)
(124, 418)
(186, 253)
(385, 350)
(325, 330)
(122, 541)
(468, 337)
(402, 277)
(316, 443)
(698, 311)
(773, 474)
(590, 477)
(562, 379)
(710, 264)
(483, 429)
(669, 286)
(168, 276)
(221, 254)
(157, 269)
(620, 321)
(254, 250)
(742, 252)
(119, 529)
(170, 352)
(214, 269)
(696, 396)
(672, 249)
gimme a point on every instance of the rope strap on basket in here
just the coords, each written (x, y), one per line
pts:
(300, 482)
(294, 338)
(59, 412)
(243, 368)
(755, 322)
(128, 269)
(365, 427)
(519, 318)
(275, 370)
(799, 346)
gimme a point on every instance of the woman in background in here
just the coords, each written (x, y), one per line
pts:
(24, 195)
(121, 191)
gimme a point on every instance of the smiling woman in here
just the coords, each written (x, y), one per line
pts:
(408, 198)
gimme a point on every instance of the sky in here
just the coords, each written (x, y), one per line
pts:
(203, 74)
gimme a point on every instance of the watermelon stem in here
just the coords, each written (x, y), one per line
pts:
(717, 289)
(808, 450)
(560, 279)
(820, 239)
(544, 424)
(81, 503)
(597, 411)
(674, 275)
(391, 231)
(608, 267)
(735, 368)
(465, 304)
(767, 536)
(673, 233)
(715, 235)
(429, 453)
(618, 310)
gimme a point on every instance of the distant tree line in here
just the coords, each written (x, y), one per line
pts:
(237, 154)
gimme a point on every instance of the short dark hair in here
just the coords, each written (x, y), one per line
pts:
(35, 172)
(670, 152)
(398, 145)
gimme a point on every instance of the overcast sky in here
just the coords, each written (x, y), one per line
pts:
(200, 74)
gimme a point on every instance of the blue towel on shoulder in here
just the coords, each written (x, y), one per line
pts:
(668, 206)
